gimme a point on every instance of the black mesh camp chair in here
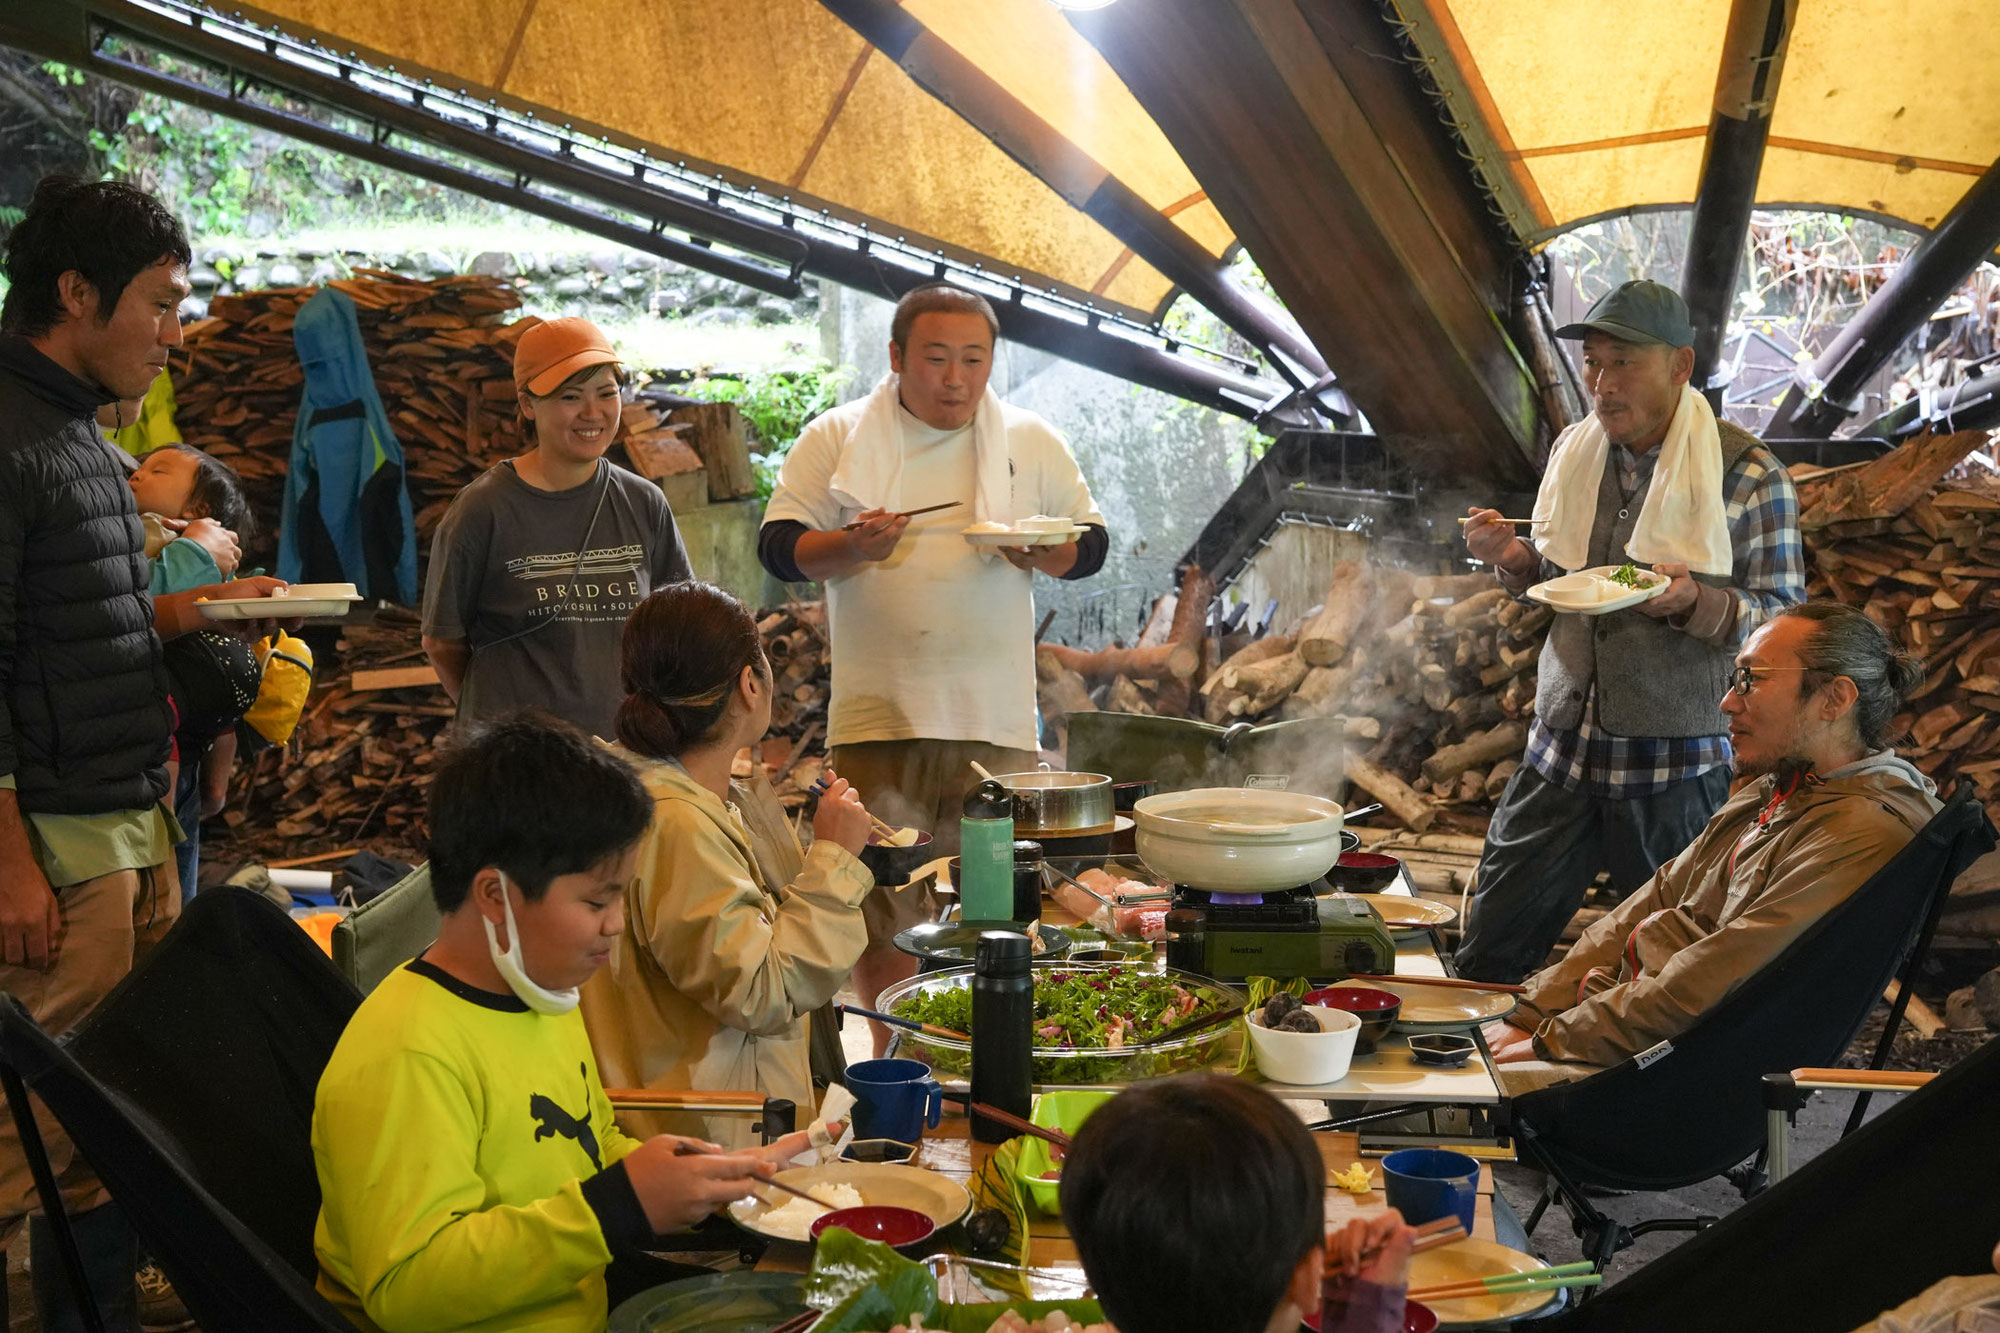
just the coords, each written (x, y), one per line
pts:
(1900, 1203)
(190, 1090)
(1692, 1108)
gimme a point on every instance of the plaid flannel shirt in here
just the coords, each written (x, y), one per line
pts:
(1762, 510)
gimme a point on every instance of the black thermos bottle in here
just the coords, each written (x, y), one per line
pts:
(1003, 1027)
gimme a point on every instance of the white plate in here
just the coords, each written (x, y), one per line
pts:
(1444, 1008)
(939, 1198)
(1469, 1259)
(275, 608)
(1021, 538)
(1541, 593)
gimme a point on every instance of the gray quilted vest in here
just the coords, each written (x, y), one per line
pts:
(1652, 679)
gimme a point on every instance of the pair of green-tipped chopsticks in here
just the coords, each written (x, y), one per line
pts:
(1512, 1284)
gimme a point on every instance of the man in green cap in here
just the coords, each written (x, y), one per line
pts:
(1628, 754)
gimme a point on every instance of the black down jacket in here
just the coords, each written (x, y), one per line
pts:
(84, 718)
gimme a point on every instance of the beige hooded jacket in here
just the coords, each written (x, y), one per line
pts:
(1748, 885)
(720, 963)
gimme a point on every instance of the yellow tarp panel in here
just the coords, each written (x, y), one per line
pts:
(783, 95)
(1885, 106)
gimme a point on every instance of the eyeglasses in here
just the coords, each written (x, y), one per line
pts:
(1741, 679)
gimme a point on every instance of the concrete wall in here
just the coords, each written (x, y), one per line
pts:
(1157, 465)
(721, 543)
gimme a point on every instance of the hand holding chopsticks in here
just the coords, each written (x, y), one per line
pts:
(1430, 1236)
(1463, 521)
(910, 513)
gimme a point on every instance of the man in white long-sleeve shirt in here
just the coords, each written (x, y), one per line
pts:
(932, 637)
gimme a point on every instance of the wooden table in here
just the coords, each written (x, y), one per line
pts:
(950, 1151)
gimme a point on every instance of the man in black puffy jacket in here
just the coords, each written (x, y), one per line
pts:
(97, 273)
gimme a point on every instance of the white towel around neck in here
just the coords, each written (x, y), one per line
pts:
(1683, 519)
(869, 471)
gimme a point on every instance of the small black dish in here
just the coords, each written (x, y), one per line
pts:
(1445, 1051)
(892, 865)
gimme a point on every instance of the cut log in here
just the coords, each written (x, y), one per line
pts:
(1505, 741)
(1496, 781)
(1167, 660)
(1126, 697)
(1324, 638)
(1410, 809)
(716, 432)
(1059, 690)
(1264, 684)
(393, 678)
(1453, 586)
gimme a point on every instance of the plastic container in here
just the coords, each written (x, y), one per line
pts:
(1065, 1111)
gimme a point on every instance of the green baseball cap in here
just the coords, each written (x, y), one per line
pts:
(1638, 312)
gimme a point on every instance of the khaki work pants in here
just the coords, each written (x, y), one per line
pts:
(111, 923)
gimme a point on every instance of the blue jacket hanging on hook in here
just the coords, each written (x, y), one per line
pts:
(347, 511)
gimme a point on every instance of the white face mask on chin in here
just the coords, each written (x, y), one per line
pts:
(537, 997)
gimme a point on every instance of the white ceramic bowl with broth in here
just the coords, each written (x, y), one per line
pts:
(1238, 839)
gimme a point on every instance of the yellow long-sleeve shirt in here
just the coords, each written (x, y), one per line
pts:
(468, 1165)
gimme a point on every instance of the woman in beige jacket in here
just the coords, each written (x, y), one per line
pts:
(721, 961)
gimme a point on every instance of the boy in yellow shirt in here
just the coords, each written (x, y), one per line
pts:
(472, 1175)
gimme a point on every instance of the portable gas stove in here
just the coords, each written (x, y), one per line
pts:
(1311, 931)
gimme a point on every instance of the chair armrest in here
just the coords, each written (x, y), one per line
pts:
(721, 1103)
(1874, 1080)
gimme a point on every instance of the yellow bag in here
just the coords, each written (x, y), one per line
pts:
(287, 666)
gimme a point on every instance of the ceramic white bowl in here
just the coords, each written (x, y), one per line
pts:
(1576, 587)
(1306, 1058)
(1238, 839)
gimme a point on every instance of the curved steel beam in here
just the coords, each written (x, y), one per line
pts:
(1746, 87)
(941, 70)
(1827, 394)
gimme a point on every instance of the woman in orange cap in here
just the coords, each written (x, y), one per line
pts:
(539, 561)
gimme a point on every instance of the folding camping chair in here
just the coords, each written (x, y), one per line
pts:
(190, 1090)
(1903, 1201)
(1692, 1107)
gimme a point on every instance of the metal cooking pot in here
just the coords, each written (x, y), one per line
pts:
(1050, 802)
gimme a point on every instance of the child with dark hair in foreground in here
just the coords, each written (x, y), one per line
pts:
(1198, 1205)
(472, 1175)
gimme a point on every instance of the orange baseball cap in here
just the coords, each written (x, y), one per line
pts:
(555, 349)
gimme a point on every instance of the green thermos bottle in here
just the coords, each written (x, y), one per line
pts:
(986, 854)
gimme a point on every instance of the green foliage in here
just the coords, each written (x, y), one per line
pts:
(776, 404)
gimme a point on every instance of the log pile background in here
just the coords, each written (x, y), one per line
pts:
(442, 354)
(1438, 703)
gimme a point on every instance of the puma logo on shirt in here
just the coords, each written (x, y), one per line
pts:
(551, 1121)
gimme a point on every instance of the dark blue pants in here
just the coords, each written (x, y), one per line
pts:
(1545, 846)
(187, 809)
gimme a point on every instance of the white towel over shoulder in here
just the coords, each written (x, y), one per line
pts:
(869, 471)
(1683, 519)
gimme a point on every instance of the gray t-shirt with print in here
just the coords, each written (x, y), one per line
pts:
(540, 583)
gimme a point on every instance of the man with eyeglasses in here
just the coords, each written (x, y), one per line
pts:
(1809, 704)
(1626, 756)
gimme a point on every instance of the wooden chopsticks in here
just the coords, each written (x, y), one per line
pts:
(1580, 1274)
(1430, 1236)
(1012, 1121)
(687, 1148)
(798, 1323)
(1463, 521)
(1454, 983)
(928, 1029)
(912, 513)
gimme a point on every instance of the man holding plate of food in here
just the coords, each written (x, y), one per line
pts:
(1628, 754)
(931, 621)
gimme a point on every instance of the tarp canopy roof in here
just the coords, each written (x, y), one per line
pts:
(1574, 111)
(785, 96)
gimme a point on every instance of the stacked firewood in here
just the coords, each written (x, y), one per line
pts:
(1920, 554)
(793, 750)
(442, 356)
(361, 762)
(1436, 705)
